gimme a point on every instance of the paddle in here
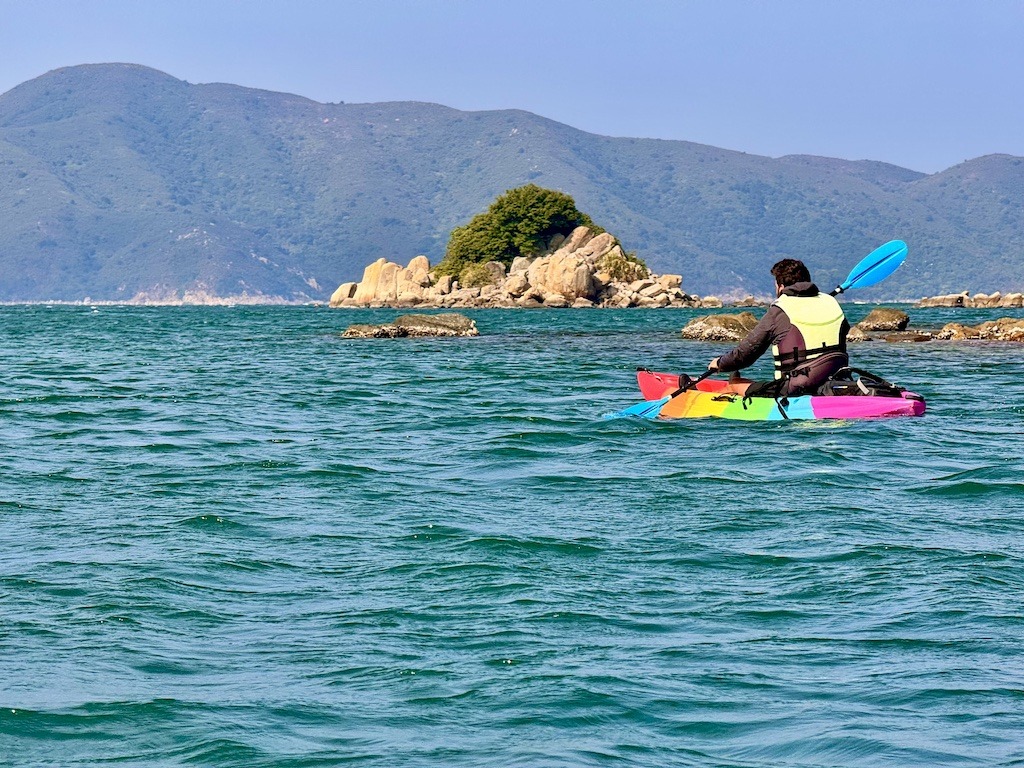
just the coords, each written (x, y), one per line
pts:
(874, 267)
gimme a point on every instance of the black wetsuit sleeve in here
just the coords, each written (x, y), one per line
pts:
(756, 344)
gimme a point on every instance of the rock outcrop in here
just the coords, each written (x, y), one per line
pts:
(581, 270)
(1003, 329)
(978, 300)
(884, 319)
(720, 327)
(881, 324)
(415, 325)
(858, 334)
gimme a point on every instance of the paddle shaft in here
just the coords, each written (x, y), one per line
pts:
(692, 383)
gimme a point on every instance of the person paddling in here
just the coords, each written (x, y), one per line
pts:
(806, 330)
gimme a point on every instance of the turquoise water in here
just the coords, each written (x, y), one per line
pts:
(230, 537)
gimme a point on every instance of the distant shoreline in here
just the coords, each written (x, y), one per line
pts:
(324, 305)
(928, 302)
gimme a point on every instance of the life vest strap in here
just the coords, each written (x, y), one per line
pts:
(784, 360)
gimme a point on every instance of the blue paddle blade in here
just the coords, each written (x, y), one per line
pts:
(648, 409)
(876, 266)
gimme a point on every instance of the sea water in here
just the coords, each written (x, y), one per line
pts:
(230, 537)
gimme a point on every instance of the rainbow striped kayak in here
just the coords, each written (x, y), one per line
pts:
(709, 399)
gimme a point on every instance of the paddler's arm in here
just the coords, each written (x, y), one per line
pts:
(753, 346)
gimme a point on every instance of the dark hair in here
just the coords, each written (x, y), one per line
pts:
(789, 271)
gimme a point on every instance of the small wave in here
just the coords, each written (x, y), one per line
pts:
(212, 521)
(538, 545)
(971, 489)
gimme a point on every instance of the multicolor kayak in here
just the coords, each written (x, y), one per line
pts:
(663, 400)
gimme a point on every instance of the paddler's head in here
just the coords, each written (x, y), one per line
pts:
(789, 271)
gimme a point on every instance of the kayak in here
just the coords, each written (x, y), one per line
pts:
(662, 400)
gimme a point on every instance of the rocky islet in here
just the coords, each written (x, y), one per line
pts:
(582, 270)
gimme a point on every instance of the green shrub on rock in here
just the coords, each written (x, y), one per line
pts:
(520, 222)
(624, 267)
(476, 276)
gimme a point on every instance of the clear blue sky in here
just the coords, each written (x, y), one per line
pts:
(924, 84)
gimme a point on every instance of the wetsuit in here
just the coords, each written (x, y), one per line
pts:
(806, 330)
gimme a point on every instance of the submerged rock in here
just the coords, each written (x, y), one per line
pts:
(1003, 329)
(909, 336)
(415, 325)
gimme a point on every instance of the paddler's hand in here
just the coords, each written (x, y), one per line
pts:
(713, 365)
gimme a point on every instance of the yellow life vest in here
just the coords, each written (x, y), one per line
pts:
(819, 320)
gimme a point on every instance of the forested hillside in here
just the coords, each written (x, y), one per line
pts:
(118, 181)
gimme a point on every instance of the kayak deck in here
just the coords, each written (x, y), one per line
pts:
(709, 399)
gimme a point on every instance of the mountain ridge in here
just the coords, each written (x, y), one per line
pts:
(118, 180)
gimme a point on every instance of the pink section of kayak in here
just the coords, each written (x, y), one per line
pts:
(656, 385)
(866, 407)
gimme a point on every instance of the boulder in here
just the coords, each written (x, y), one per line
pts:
(556, 300)
(577, 239)
(654, 290)
(345, 291)
(858, 334)
(444, 285)
(502, 300)
(496, 270)
(623, 300)
(409, 299)
(946, 300)
(748, 301)
(379, 284)
(671, 281)
(418, 271)
(720, 327)
(520, 264)
(516, 285)
(653, 302)
(387, 286)
(366, 291)
(416, 325)
(1012, 300)
(884, 319)
(596, 248)
(464, 295)
(957, 331)
(986, 299)
(564, 274)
